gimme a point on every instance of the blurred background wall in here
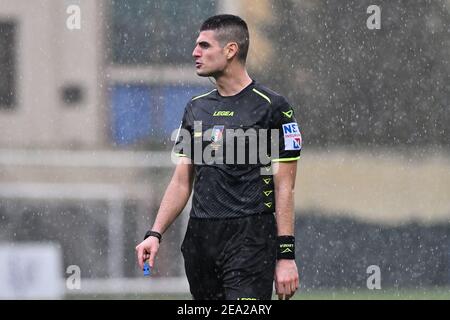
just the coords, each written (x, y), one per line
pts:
(86, 116)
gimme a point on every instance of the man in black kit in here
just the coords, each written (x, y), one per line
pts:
(240, 235)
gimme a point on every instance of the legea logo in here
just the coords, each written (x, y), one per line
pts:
(223, 114)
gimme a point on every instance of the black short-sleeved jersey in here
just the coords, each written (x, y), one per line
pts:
(232, 141)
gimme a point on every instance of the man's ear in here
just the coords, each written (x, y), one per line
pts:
(231, 49)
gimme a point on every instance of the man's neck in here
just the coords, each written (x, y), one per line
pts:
(232, 81)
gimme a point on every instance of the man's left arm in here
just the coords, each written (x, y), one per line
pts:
(286, 273)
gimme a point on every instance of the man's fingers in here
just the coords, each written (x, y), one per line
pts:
(152, 258)
(140, 256)
(281, 291)
(286, 290)
(291, 292)
(144, 256)
(293, 287)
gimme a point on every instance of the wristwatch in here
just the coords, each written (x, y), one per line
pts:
(151, 233)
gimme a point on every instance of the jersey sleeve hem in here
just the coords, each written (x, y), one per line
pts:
(180, 155)
(286, 159)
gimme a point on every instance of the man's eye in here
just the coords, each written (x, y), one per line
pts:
(204, 45)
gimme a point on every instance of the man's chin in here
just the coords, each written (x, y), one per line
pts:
(201, 73)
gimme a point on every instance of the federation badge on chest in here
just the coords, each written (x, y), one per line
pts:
(216, 136)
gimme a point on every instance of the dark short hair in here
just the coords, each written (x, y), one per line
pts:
(230, 28)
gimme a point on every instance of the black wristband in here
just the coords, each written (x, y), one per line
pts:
(151, 233)
(285, 247)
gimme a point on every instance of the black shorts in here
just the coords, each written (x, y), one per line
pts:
(231, 258)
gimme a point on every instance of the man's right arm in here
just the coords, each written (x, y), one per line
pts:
(175, 198)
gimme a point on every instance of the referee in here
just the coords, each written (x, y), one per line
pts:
(240, 235)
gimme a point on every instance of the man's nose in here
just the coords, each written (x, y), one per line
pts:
(196, 53)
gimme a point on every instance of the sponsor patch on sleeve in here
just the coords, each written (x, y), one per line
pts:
(292, 136)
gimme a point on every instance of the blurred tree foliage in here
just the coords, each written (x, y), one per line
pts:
(355, 86)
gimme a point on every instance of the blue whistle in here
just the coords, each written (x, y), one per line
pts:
(146, 269)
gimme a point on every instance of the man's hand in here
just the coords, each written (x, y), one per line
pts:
(286, 279)
(147, 249)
